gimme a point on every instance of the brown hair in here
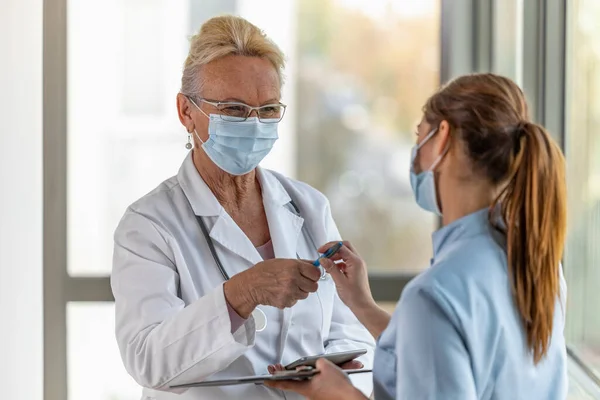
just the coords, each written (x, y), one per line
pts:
(488, 113)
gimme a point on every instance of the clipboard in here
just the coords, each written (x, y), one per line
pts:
(298, 375)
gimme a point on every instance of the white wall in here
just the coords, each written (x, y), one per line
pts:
(21, 199)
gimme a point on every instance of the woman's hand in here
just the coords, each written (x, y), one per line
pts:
(331, 383)
(353, 364)
(350, 276)
(352, 283)
(276, 282)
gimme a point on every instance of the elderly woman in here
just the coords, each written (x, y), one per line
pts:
(208, 275)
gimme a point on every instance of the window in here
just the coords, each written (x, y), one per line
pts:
(362, 76)
(95, 368)
(124, 137)
(507, 36)
(582, 146)
(365, 69)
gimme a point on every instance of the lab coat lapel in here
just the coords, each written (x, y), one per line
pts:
(224, 230)
(227, 233)
(285, 227)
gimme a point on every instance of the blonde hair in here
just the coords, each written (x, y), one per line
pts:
(222, 36)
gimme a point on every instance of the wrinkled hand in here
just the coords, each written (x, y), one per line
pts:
(329, 384)
(277, 282)
(349, 274)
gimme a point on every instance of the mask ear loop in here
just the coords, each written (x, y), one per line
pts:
(198, 136)
(206, 115)
(429, 136)
(439, 159)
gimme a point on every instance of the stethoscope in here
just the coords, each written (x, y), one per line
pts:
(260, 318)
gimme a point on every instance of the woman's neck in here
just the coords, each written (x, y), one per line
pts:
(464, 198)
(232, 192)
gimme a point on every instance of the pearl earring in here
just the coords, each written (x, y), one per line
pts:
(188, 145)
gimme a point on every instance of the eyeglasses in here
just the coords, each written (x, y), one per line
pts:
(238, 112)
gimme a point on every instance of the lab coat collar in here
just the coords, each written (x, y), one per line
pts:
(201, 198)
(284, 225)
(273, 191)
(203, 201)
(465, 227)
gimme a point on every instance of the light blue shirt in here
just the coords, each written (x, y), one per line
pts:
(456, 333)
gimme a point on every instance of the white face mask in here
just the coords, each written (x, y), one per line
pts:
(423, 184)
(238, 147)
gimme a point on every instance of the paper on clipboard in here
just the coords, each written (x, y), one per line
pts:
(259, 379)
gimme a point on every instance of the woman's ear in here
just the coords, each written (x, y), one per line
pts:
(184, 112)
(442, 137)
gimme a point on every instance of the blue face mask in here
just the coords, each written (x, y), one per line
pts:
(423, 184)
(238, 147)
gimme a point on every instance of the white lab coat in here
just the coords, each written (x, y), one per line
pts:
(172, 323)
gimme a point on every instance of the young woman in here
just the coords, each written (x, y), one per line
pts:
(486, 320)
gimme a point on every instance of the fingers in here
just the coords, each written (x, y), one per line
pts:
(346, 243)
(345, 253)
(326, 246)
(337, 271)
(323, 364)
(310, 271)
(354, 364)
(274, 368)
(293, 386)
(307, 285)
(329, 265)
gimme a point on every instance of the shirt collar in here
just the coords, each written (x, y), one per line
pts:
(465, 227)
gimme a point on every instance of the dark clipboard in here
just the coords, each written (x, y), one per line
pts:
(259, 379)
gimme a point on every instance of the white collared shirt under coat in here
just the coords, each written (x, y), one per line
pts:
(172, 323)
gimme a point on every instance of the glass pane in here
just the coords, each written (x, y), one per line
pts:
(582, 261)
(124, 136)
(366, 68)
(95, 369)
(507, 38)
(351, 139)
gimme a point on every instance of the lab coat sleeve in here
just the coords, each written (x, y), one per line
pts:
(162, 341)
(346, 332)
(431, 357)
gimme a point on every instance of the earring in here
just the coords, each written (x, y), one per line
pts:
(188, 145)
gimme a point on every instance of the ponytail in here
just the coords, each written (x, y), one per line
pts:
(533, 205)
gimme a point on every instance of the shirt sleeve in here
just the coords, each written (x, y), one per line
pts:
(432, 359)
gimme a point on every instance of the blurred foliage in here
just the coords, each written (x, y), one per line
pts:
(394, 61)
